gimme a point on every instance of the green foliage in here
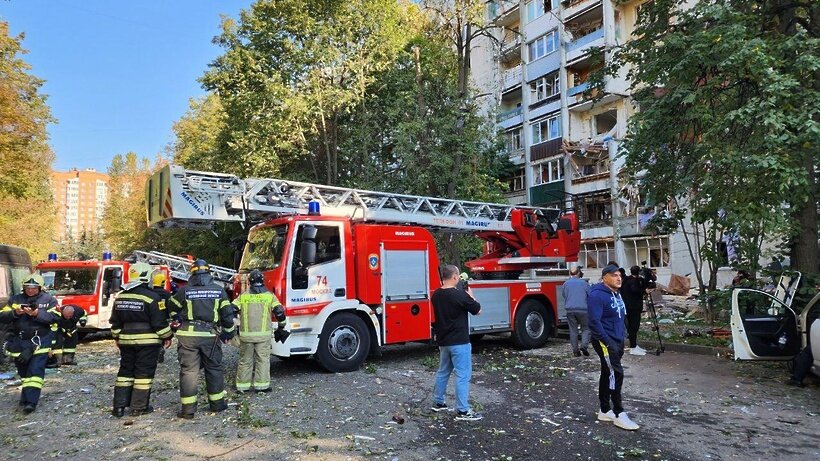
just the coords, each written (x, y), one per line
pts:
(27, 218)
(90, 245)
(728, 121)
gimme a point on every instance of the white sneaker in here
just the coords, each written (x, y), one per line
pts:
(608, 416)
(637, 350)
(624, 422)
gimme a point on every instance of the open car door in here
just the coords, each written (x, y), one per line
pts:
(764, 326)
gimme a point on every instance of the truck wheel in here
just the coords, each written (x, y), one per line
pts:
(344, 343)
(533, 325)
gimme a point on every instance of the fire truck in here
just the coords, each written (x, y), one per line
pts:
(93, 284)
(355, 269)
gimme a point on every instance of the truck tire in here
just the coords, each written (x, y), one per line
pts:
(533, 325)
(344, 343)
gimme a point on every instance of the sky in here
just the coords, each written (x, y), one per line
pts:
(117, 74)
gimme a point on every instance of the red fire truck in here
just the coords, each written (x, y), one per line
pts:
(93, 284)
(355, 269)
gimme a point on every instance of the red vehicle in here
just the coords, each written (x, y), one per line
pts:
(355, 269)
(91, 285)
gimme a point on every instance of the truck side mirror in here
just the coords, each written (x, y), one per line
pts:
(307, 250)
(116, 281)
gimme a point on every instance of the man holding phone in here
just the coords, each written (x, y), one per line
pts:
(31, 314)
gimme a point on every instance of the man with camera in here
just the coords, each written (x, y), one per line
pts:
(31, 314)
(574, 292)
(451, 305)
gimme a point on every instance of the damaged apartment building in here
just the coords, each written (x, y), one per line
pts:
(560, 137)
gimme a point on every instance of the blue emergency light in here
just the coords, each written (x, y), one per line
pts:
(106, 256)
(313, 208)
(52, 256)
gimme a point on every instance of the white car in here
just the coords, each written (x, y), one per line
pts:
(766, 327)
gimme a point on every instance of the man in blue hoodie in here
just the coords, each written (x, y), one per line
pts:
(606, 312)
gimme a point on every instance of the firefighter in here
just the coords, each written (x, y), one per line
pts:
(140, 329)
(206, 318)
(255, 308)
(66, 338)
(31, 314)
(158, 281)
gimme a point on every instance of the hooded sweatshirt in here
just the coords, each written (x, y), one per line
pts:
(606, 312)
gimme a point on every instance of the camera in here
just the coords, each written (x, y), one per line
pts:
(647, 275)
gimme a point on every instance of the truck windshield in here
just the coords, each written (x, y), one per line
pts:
(264, 248)
(71, 281)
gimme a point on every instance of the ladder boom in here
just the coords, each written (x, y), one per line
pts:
(177, 197)
(180, 268)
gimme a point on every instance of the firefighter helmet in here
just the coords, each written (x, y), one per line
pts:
(158, 279)
(34, 280)
(200, 267)
(139, 272)
(256, 279)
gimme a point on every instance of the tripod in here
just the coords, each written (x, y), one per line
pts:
(651, 304)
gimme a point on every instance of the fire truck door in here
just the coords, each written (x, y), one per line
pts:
(405, 292)
(324, 279)
(111, 285)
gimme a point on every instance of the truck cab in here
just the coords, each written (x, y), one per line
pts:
(91, 285)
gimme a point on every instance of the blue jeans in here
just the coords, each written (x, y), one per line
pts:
(454, 358)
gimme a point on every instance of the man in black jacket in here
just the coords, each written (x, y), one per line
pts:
(205, 316)
(451, 305)
(66, 340)
(32, 315)
(633, 290)
(140, 329)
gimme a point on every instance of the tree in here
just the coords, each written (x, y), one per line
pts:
(198, 135)
(124, 219)
(291, 70)
(729, 99)
(27, 214)
(89, 245)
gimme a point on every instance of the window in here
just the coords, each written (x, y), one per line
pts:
(546, 86)
(653, 250)
(514, 141)
(543, 45)
(71, 281)
(264, 248)
(597, 254)
(328, 248)
(593, 209)
(546, 129)
(549, 171)
(517, 180)
(535, 9)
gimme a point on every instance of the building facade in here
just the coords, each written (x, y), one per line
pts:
(81, 197)
(563, 139)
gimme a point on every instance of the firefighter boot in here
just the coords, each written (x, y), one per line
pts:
(68, 358)
(118, 412)
(187, 410)
(218, 405)
(54, 361)
(140, 399)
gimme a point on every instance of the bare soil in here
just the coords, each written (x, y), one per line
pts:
(537, 405)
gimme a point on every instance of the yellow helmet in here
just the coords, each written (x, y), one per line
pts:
(139, 272)
(158, 279)
(34, 280)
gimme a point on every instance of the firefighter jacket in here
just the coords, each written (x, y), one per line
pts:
(255, 312)
(138, 317)
(202, 308)
(68, 326)
(30, 332)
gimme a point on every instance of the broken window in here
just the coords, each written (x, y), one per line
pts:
(594, 209)
(653, 250)
(597, 254)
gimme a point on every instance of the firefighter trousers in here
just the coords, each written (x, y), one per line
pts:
(137, 367)
(254, 364)
(192, 352)
(65, 346)
(32, 373)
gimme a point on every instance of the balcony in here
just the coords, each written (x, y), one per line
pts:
(511, 78)
(545, 149)
(585, 40)
(508, 114)
(504, 12)
(510, 45)
(578, 89)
